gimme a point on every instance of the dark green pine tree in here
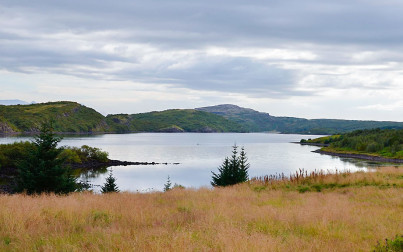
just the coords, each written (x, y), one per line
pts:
(234, 170)
(110, 184)
(243, 166)
(42, 171)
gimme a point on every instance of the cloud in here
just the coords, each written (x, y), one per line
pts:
(254, 50)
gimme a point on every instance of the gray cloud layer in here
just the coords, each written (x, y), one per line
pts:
(259, 48)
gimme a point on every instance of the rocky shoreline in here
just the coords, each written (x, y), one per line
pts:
(312, 144)
(110, 162)
(361, 156)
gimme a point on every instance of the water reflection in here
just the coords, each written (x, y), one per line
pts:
(198, 155)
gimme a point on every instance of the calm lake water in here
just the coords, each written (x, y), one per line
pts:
(198, 155)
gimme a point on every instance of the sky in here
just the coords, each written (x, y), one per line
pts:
(312, 58)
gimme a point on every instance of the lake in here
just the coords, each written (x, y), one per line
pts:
(198, 155)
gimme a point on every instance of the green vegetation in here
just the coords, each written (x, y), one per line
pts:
(386, 143)
(41, 170)
(234, 170)
(168, 185)
(393, 245)
(68, 117)
(84, 154)
(12, 154)
(322, 140)
(174, 120)
(72, 117)
(252, 120)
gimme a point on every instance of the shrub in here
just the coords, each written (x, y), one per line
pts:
(92, 153)
(10, 154)
(70, 155)
(394, 245)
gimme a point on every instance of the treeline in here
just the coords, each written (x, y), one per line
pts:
(384, 142)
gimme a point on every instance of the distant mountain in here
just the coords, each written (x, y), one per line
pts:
(13, 102)
(174, 120)
(255, 121)
(252, 120)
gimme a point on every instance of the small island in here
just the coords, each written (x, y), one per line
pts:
(379, 145)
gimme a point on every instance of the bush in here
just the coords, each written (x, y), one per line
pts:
(92, 153)
(395, 245)
(10, 154)
(84, 154)
(71, 156)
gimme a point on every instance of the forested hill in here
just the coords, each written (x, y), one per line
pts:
(256, 121)
(68, 117)
(71, 117)
(174, 120)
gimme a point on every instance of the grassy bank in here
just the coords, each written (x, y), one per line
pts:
(382, 143)
(267, 214)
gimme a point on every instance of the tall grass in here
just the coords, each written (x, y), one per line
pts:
(274, 217)
(303, 180)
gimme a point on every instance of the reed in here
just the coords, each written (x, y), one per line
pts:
(276, 217)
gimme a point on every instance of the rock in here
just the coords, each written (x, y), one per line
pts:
(5, 128)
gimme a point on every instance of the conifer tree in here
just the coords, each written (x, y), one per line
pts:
(110, 184)
(42, 170)
(233, 170)
(168, 185)
(243, 165)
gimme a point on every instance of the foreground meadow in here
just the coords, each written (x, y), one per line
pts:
(344, 212)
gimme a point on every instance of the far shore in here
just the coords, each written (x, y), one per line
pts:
(361, 156)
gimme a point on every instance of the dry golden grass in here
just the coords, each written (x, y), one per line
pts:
(249, 217)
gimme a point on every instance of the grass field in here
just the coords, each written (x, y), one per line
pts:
(351, 212)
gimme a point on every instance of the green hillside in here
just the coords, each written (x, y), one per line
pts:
(175, 120)
(72, 117)
(379, 142)
(68, 117)
(252, 120)
(255, 121)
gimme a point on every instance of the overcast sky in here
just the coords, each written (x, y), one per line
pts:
(311, 58)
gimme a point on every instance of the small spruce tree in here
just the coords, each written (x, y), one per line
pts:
(110, 184)
(42, 170)
(243, 165)
(233, 170)
(168, 185)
